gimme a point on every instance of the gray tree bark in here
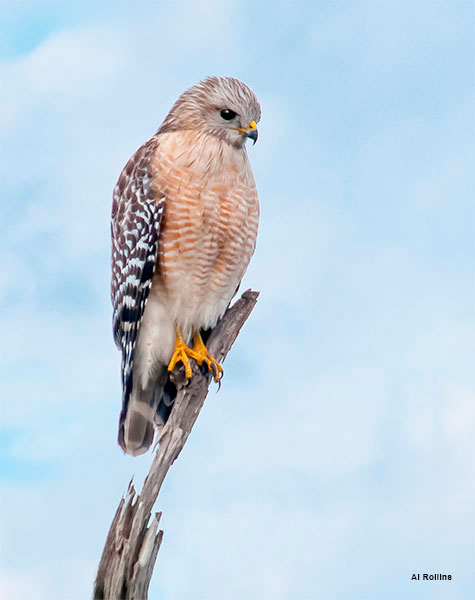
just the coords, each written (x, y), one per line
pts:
(133, 541)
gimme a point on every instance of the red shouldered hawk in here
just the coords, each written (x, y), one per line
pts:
(184, 225)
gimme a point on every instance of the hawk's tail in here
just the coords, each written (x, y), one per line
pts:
(145, 411)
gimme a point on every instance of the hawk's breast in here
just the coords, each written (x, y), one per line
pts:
(209, 226)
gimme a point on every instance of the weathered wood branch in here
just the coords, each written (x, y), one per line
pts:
(133, 541)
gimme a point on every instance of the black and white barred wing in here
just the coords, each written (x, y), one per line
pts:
(136, 216)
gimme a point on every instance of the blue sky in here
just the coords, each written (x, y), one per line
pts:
(338, 457)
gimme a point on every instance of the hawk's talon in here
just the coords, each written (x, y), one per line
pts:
(181, 354)
(201, 354)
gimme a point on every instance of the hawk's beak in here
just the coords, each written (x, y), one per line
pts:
(251, 131)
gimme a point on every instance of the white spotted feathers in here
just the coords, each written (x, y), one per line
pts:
(135, 227)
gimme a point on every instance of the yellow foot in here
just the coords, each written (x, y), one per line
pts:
(181, 354)
(200, 354)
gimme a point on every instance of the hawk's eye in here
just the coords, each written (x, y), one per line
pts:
(227, 114)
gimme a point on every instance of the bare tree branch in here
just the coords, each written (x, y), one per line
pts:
(133, 541)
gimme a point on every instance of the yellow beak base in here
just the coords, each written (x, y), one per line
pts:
(251, 131)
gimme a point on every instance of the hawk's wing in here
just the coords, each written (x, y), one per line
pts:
(137, 211)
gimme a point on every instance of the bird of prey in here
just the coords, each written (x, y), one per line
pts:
(184, 225)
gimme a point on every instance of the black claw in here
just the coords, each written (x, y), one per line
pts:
(203, 368)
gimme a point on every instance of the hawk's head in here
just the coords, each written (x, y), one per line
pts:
(221, 106)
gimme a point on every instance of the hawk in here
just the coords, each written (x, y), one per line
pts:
(184, 224)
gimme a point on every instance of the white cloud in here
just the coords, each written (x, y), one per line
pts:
(64, 71)
(458, 419)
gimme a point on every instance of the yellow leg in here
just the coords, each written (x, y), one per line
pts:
(181, 354)
(200, 353)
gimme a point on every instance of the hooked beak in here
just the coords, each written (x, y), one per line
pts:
(251, 131)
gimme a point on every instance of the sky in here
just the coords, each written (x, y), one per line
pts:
(337, 459)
